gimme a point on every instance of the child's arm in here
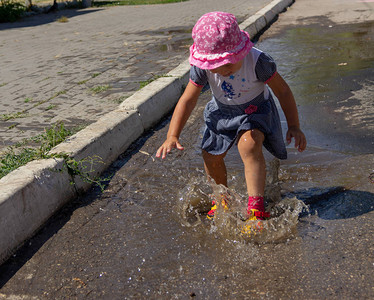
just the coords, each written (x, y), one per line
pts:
(287, 101)
(186, 104)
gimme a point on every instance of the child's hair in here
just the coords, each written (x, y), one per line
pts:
(218, 40)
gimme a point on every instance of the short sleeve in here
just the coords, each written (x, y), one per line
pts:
(265, 67)
(198, 76)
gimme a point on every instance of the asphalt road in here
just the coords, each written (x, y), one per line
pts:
(131, 242)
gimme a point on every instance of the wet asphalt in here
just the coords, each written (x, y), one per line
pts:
(130, 242)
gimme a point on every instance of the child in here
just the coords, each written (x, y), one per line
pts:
(242, 110)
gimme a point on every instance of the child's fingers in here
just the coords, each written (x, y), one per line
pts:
(166, 148)
(300, 141)
(161, 152)
(166, 151)
(158, 153)
(289, 136)
(179, 146)
(302, 144)
(297, 141)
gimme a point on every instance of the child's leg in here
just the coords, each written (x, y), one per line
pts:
(250, 149)
(215, 167)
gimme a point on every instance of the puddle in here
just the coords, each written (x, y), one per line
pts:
(231, 221)
(147, 235)
(176, 45)
(172, 39)
(316, 209)
(330, 69)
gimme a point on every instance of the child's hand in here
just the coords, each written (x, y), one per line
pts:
(298, 135)
(170, 143)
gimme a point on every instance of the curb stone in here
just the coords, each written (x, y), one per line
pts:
(30, 195)
(154, 101)
(100, 144)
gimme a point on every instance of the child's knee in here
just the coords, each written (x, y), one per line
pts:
(251, 141)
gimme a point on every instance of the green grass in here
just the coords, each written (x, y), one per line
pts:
(99, 89)
(20, 154)
(63, 92)
(51, 106)
(132, 2)
(82, 81)
(11, 11)
(11, 116)
(63, 19)
(111, 3)
(12, 160)
(146, 82)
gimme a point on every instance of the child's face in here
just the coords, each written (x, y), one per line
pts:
(228, 69)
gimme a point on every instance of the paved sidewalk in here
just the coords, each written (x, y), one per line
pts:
(77, 71)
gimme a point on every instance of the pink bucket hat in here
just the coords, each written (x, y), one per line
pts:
(218, 40)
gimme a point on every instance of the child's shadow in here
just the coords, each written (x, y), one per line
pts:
(337, 202)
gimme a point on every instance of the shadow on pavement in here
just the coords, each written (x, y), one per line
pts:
(42, 19)
(337, 202)
(10, 267)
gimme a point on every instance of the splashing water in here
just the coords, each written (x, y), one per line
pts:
(280, 227)
(230, 220)
(194, 200)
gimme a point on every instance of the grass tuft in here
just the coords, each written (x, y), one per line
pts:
(63, 19)
(11, 116)
(20, 154)
(146, 82)
(99, 89)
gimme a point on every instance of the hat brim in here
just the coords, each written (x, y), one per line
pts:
(212, 61)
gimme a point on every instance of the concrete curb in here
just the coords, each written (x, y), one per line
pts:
(30, 195)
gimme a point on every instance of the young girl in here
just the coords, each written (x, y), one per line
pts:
(242, 110)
